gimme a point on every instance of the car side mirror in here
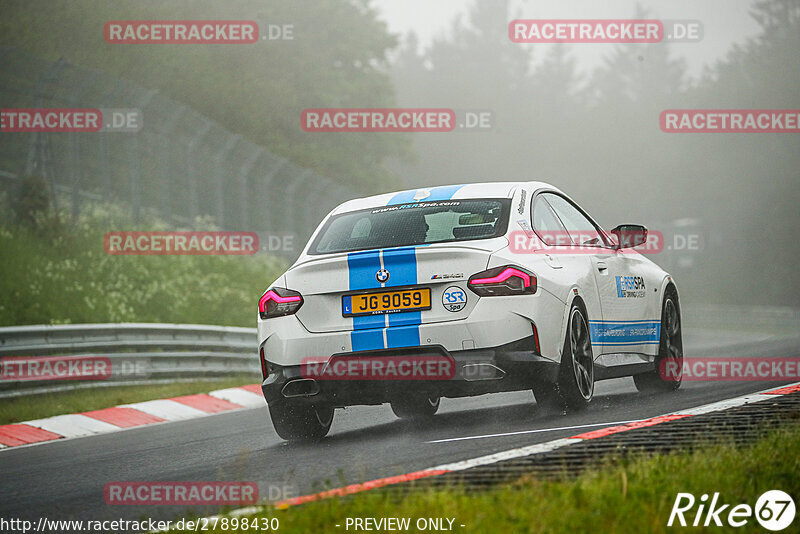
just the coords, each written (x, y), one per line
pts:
(630, 235)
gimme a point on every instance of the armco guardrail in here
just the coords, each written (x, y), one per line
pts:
(148, 352)
(137, 351)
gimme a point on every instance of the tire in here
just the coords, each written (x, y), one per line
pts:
(575, 387)
(415, 407)
(547, 397)
(670, 351)
(300, 422)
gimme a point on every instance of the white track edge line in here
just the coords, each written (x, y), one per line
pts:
(535, 431)
(548, 445)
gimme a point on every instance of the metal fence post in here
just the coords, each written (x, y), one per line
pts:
(321, 201)
(266, 189)
(292, 201)
(109, 100)
(73, 154)
(135, 161)
(39, 151)
(220, 184)
(244, 198)
(165, 161)
(191, 176)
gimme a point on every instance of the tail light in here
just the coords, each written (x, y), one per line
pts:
(264, 370)
(278, 301)
(535, 338)
(501, 281)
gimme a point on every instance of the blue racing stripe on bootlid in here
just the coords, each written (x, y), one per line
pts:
(443, 192)
(362, 267)
(403, 326)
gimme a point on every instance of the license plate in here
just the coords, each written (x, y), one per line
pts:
(386, 302)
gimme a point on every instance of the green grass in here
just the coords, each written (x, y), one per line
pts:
(16, 409)
(57, 272)
(628, 495)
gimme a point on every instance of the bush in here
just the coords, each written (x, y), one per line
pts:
(32, 201)
(66, 277)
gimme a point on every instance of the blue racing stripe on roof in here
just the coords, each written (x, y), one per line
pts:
(442, 192)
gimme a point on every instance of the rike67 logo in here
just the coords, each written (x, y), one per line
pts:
(774, 510)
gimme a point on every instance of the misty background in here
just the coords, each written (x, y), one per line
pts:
(583, 117)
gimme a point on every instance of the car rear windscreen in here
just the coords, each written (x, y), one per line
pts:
(417, 223)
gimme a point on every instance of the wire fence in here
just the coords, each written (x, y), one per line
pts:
(179, 165)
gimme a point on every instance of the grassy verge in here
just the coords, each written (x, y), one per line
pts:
(17, 409)
(57, 272)
(633, 495)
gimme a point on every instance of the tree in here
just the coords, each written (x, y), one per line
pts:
(337, 58)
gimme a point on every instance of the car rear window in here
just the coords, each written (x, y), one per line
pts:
(417, 223)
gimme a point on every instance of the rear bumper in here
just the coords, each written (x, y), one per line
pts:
(509, 367)
(493, 322)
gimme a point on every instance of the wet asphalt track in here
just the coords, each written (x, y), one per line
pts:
(65, 479)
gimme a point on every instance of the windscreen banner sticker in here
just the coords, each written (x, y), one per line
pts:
(454, 299)
(630, 287)
(443, 192)
(437, 204)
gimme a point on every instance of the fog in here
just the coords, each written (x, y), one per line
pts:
(582, 116)
(594, 132)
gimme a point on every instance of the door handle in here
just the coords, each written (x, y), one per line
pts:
(601, 266)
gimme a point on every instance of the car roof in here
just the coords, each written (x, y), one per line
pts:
(442, 192)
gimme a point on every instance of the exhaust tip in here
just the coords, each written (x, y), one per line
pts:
(473, 372)
(302, 387)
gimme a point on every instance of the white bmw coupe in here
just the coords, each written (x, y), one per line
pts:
(463, 290)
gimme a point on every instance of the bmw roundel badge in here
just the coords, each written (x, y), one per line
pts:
(382, 276)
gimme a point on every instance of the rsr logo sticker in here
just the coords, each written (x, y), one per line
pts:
(454, 299)
(630, 286)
